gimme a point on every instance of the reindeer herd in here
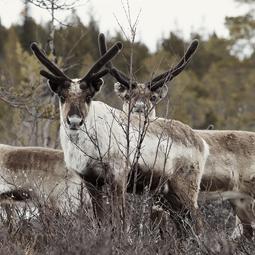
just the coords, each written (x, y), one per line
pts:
(130, 150)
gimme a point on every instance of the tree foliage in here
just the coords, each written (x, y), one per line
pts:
(216, 88)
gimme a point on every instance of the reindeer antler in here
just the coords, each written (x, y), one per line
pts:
(57, 79)
(167, 76)
(117, 74)
(103, 48)
(158, 81)
(103, 60)
(52, 67)
(93, 74)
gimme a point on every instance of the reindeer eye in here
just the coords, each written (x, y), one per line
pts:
(127, 97)
(62, 99)
(88, 99)
(153, 98)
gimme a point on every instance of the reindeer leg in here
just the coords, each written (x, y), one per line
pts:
(117, 183)
(238, 230)
(158, 219)
(94, 177)
(244, 211)
(97, 201)
(183, 193)
(118, 205)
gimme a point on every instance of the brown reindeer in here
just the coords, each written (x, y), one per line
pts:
(39, 174)
(143, 97)
(230, 166)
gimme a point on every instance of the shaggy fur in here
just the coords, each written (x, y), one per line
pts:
(102, 138)
(38, 173)
(231, 162)
(231, 167)
(94, 134)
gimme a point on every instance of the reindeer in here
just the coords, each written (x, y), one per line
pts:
(230, 167)
(143, 97)
(94, 138)
(40, 174)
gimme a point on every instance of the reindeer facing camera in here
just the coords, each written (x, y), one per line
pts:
(143, 97)
(94, 139)
(230, 168)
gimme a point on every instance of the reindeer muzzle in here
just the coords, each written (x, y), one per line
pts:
(74, 122)
(139, 107)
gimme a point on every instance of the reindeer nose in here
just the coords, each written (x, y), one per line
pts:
(74, 122)
(139, 107)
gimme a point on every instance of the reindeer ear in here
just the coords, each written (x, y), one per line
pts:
(56, 83)
(54, 86)
(162, 91)
(119, 88)
(97, 84)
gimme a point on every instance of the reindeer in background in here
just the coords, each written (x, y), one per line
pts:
(38, 174)
(143, 97)
(94, 138)
(230, 168)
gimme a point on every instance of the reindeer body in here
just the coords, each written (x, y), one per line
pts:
(231, 160)
(102, 139)
(231, 167)
(105, 124)
(39, 173)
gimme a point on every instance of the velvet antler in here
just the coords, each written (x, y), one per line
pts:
(93, 74)
(117, 74)
(53, 68)
(165, 77)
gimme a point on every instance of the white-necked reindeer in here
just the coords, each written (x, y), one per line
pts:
(230, 167)
(37, 173)
(94, 140)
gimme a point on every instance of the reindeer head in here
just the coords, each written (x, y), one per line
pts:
(142, 97)
(75, 95)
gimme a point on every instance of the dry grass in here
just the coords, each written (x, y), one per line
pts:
(78, 233)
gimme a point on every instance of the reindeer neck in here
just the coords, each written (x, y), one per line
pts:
(86, 144)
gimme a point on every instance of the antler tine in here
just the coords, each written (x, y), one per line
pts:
(180, 66)
(49, 76)
(99, 74)
(116, 73)
(112, 52)
(120, 77)
(190, 51)
(169, 75)
(103, 48)
(160, 83)
(47, 63)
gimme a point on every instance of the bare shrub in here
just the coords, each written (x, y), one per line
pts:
(48, 232)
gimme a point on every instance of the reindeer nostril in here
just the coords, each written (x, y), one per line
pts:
(74, 122)
(81, 122)
(68, 121)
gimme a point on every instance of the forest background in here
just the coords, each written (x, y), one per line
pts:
(217, 87)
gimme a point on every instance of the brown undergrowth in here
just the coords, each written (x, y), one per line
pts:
(24, 230)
